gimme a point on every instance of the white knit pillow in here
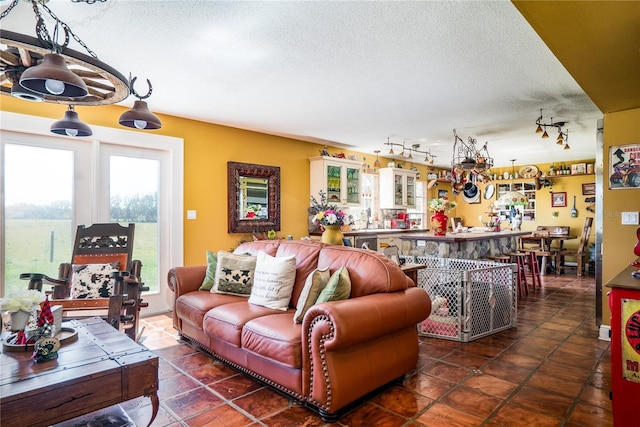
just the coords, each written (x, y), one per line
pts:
(273, 281)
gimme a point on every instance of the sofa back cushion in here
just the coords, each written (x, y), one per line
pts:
(370, 272)
(306, 253)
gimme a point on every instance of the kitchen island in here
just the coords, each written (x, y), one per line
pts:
(476, 244)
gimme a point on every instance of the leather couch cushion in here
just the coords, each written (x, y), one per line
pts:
(370, 272)
(306, 253)
(191, 307)
(275, 337)
(225, 322)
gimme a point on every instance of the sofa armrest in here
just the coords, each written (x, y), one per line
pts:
(182, 280)
(364, 318)
(352, 347)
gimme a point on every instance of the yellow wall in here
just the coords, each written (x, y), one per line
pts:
(207, 149)
(618, 240)
(572, 185)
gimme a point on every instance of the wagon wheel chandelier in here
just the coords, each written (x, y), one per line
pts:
(562, 138)
(45, 69)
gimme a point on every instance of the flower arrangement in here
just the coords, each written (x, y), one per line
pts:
(441, 205)
(22, 300)
(325, 214)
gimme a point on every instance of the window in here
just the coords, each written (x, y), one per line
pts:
(52, 183)
(417, 215)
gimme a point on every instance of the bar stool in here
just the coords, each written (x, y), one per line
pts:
(519, 258)
(534, 267)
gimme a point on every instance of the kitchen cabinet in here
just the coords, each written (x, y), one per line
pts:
(397, 188)
(528, 188)
(338, 178)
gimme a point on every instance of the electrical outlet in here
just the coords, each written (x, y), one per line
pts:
(191, 214)
(629, 218)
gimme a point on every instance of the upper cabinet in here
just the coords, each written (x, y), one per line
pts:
(528, 188)
(338, 178)
(397, 188)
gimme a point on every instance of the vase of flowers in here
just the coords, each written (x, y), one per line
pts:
(329, 218)
(21, 305)
(439, 219)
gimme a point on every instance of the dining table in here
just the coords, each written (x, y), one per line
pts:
(545, 241)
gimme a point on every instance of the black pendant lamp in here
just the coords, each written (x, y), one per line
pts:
(52, 77)
(71, 125)
(139, 117)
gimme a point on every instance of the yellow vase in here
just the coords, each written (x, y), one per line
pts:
(332, 235)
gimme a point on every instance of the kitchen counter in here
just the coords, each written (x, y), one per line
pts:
(472, 245)
(376, 231)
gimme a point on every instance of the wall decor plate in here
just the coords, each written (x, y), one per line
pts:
(528, 171)
(488, 191)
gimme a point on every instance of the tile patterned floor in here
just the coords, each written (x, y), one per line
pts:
(549, 371)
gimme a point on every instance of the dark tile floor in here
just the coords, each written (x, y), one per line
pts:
(549, 371)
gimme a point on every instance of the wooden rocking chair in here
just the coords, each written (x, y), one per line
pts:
(100, 252)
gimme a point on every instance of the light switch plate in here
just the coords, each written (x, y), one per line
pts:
(191, 214)
(629, 218)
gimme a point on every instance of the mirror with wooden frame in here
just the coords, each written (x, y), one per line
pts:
(254, 197)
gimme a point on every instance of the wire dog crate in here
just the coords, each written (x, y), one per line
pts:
(470, 298)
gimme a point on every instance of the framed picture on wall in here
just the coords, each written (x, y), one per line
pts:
(559, 200)
(589, 189)
(624, 167)
(443, 194)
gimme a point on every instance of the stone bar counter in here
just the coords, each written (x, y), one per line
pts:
(476, 244)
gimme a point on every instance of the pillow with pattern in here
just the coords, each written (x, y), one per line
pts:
(93, 280)
(234, 274)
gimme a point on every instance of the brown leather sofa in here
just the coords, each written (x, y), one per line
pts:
(342, 351)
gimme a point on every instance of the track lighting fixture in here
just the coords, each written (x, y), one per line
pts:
(562, 136)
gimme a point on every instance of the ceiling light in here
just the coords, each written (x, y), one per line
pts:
(71, 125)
(58, 74)
(562, 136)
(139, 117)
(52, 77)
(376, 164)
(415, 148)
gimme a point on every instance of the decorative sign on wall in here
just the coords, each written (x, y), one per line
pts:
(624, 166)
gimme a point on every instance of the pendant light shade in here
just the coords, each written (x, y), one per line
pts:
(139, 117)
(71, 125)
(25, 94)
(52, 77)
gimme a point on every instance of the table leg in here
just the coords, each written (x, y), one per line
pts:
(155, 404)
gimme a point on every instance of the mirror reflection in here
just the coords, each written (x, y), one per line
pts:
(254, 198)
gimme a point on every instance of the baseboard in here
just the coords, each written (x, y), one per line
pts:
(605, 333)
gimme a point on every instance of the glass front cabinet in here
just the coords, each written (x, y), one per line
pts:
(338, 178)
(397, 188)
(528, 188)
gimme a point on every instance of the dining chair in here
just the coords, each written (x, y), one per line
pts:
(580, 253)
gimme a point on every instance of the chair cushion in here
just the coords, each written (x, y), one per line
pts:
(225, 322)
(93, 280)
(273, 281)
(234, 274)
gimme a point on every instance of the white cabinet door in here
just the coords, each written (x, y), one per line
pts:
(338, 178)
(397, 188)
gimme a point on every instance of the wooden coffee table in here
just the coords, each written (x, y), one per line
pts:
(103, 367)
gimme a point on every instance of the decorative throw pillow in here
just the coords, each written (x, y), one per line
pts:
(93, 280)
(315, 283)
(234, 274)
(210, 275)
(338, 288)
(273, 281)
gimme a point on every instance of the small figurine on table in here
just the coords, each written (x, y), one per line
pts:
(46, 349)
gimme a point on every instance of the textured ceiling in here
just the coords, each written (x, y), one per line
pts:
(349, 74)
